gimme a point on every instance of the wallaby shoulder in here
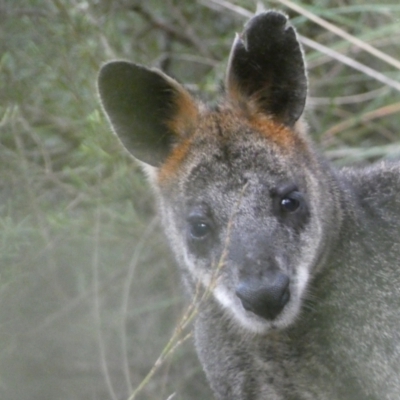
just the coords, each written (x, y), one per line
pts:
(374, 188)
(358, 286)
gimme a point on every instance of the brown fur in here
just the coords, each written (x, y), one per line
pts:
(172, 164)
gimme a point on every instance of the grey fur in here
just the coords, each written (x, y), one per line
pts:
(233, 183)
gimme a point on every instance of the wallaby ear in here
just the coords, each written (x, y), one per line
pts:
(148, 110)
(266, 68)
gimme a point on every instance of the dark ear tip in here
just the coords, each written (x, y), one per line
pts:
(267, 29)
(270, 20)
(270, 17)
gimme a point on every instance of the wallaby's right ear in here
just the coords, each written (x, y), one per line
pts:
(148, 110)
(266, 69)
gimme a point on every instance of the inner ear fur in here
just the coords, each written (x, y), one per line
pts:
(148, 111)
(266, 69)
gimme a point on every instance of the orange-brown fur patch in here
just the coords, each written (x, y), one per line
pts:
(186, 113)
(174, 161)
(249, 109)
(181, 123)
(278, 133)
(235, 94)
(229, 120)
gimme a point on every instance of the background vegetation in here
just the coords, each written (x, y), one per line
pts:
(88, 291)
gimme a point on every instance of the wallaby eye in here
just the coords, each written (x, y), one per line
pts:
(199, 229)
(290, 206)
(288, 199)
(291, 202)
(199, 223)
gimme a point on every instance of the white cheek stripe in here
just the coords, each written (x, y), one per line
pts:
(204, 278)
(225, 299)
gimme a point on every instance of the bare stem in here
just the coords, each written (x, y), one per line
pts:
(199, 298)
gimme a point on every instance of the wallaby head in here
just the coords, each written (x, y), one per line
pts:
(239, 185)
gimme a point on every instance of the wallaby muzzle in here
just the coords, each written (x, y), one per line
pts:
(265, 297)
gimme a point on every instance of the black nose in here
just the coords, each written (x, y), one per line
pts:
(265, 297)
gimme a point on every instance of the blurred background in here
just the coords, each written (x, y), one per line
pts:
(89, 293)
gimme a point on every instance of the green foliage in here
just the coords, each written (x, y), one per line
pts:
(88, 290)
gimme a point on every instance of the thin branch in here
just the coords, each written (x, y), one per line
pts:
(33, 201)
(367, 117)
(187, 27)
(227, 5)
(170, 348)
(343, 34)
(356, 98)
(354, 154)
(351, 63)
(97, 312)
(125, 297)
(186, 37)
(195, 59)
(22, 12)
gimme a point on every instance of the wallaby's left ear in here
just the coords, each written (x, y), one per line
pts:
(148, 110)
(266, 68)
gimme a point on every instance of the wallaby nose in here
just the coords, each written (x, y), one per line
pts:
(265, 297)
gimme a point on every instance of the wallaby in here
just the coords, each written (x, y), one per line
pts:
(306, 301)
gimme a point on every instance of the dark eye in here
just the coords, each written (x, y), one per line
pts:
(291, 202)
(198, 229)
